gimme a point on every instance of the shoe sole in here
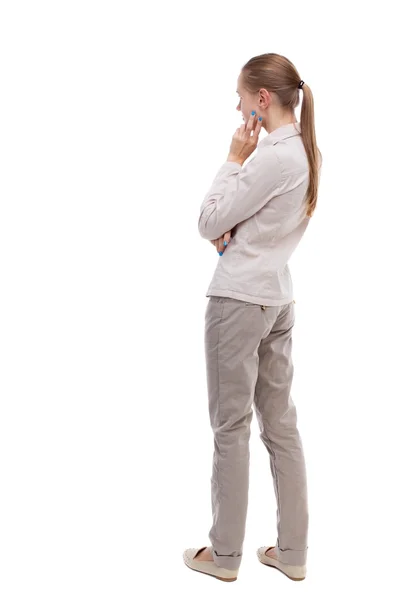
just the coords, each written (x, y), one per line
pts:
(211, 574)
(283, 572)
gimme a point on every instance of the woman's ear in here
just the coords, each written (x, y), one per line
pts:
(264, 98)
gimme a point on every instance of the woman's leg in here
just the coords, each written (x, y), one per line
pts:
(277, 420)
(232, 337)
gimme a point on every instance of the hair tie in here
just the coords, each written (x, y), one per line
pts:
(301, 84)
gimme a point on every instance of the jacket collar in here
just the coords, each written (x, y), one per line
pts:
(281, 133)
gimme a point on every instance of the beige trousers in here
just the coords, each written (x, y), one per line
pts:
(248, 357)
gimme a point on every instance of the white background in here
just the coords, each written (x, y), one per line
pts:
(115, 118)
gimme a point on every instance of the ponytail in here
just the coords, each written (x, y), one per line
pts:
(277, 74)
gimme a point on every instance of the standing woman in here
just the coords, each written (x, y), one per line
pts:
(256, 216)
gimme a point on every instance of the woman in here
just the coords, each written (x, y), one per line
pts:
(266, 205)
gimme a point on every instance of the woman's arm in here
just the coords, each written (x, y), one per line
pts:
(239, 192)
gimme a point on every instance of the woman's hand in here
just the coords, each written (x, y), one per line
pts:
(222, 242)
(243, 143)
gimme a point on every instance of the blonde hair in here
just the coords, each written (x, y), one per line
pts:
(278, 74)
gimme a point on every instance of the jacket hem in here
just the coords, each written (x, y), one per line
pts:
(249, 298)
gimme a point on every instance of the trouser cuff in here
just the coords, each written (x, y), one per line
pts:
(227, 562)
(292, 557)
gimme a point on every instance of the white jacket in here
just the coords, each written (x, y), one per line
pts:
(263, 203)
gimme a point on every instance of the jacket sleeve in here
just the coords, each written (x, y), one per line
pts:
(239, 192)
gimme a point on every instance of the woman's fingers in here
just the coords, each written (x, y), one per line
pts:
(227, 237)
(222, 242)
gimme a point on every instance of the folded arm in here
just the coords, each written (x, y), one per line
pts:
(239, 192)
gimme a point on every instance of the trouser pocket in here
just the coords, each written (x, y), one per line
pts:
(252, 304)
